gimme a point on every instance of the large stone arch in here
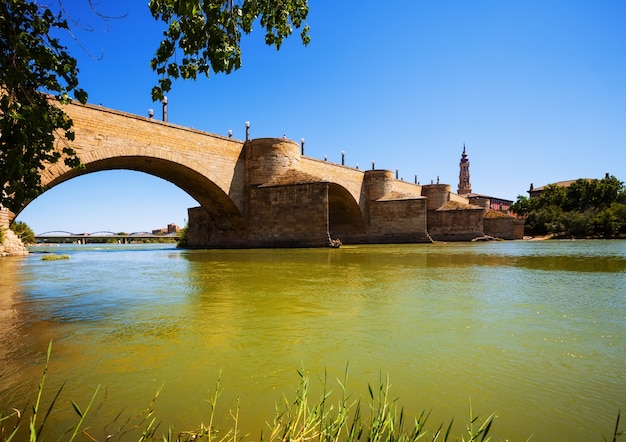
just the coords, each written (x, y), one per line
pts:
(222, 211)
(209, 167)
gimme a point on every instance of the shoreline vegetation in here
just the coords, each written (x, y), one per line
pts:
(585, 208)
(54, 257)
(332, 417)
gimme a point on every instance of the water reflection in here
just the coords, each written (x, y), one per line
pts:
(534, 331)
(12, 339)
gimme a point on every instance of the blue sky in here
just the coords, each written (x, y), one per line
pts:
(535, 89)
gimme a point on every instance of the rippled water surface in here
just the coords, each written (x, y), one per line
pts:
(533, 331)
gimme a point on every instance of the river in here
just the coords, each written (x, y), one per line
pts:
(533, 331)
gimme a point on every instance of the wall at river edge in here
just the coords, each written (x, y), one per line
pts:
(11, 244)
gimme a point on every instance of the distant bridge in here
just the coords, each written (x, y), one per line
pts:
(56, 236)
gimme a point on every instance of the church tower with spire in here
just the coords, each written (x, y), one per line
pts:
(464, 175)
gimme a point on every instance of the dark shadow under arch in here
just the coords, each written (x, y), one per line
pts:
(345, 220)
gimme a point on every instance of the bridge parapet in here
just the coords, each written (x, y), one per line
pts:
(107, 139)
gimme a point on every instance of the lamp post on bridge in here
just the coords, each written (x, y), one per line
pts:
(343, 157)
(301, 146)
(247, 131)
(164, 103)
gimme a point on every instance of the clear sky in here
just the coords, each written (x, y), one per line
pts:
(535, 89)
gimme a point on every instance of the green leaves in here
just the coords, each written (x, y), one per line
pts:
(205, 35)
(585, 208)
(33, 65)
(200, 36)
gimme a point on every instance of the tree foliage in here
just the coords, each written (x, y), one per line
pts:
(206, 34)
(34, 67)
(23, 232)
(37, 73)
(587, 208)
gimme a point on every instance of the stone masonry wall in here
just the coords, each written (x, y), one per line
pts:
(289, 216)
(280, 216)
(505, 228)
(349, 178)
(437, 194)
(458, 198)
(397, 221)
(204, 232)
(199, 228)
(407, 188)
(11, 244)
(268, 158)
(4, 218)
(455, 225)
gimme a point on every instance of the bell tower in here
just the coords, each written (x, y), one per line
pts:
(464, 175)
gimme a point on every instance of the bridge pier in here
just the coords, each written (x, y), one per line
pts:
(289, 203)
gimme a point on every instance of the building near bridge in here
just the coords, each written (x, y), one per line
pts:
(494, 203)
(465, 189)
(534, 192)
(170, 229)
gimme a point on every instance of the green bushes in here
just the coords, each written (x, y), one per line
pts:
(182, 237)
(54, 257)
(587, 208)
(23, 232)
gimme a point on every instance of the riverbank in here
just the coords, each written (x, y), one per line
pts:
(11, 245)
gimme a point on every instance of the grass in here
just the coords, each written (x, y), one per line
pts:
(331, 418)
(54, 257)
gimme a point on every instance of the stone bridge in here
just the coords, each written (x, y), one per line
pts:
(260, 192)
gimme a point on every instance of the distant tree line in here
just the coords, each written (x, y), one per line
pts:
(586, 209)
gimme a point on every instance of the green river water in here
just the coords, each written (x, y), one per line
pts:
(534, 331)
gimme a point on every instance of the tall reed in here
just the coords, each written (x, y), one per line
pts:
(36, 422)
(329, 418)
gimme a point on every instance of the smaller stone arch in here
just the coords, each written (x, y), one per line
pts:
(345, 220)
